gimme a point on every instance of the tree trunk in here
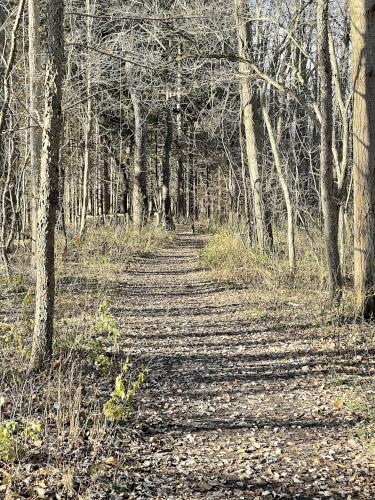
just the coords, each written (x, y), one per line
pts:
(180, 148)
(249, 116)
(285, 188)
(48, 194)
(363, 41)
(342, 164)
(190, 207)
(329, 195)
(88, 127)
(140, 162)
(166, 177)
(35, 108)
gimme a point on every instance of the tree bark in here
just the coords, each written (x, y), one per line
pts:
(166, 173)
(249, 116)
(329, 195)
(363, 42)
(342, 164)
(180, 147)
(88, 127)
(140, 162)
(48, 194)
(35, 108)
(285, 188)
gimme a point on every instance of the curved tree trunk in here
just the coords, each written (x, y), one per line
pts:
(285, 188)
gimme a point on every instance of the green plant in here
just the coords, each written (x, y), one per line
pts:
(14, 440)
(103, 364)
(8, 443)
(28, 306)
(105, 333)
(342, 380)
(119, 406)
(105, 322)
(11, 339)
(100, 338)
(32, 432)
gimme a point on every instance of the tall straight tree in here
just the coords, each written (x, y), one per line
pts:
(88, 120)
(35, 110)
(166, 173)
(363, 41)
(10, 61)
(180, 145)
(48, 188)
(139, 160)
(250, 116)
(330, 206)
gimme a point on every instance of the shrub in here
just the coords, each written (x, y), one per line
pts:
(16, 439)
(119, 406)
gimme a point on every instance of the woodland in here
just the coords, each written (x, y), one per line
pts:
(187, 249)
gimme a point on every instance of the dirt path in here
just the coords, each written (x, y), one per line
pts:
(236, 404)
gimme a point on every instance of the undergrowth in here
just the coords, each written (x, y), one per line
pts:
(231, 259)
(272, 290)
(66, 432)
(121, 243)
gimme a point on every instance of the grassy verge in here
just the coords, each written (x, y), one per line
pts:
(298, 304)
(67, 431)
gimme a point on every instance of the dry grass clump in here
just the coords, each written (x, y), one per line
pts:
(121, 243)
(232, 260)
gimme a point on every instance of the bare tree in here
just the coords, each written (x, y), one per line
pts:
(35, 108)
(283, 183)
(140, 165)
(88, 119)
(48, 193)
(251, 127)
(363, 37)
(329, 194)
(166, 173)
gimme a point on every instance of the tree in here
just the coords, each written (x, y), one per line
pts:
(48, 188)
(363, 40)
(329, 197)
(139, 158)
(35, 92)
(88, 122)
(250, 116)
(166, 172)
(283, 183)
(6, 85)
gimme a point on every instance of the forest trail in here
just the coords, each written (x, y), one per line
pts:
(236, 403)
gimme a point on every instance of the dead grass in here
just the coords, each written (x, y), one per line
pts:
(272, 291)
(67, 431)
(121, 244)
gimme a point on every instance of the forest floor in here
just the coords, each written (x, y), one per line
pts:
(251, 391)
(246, 396)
